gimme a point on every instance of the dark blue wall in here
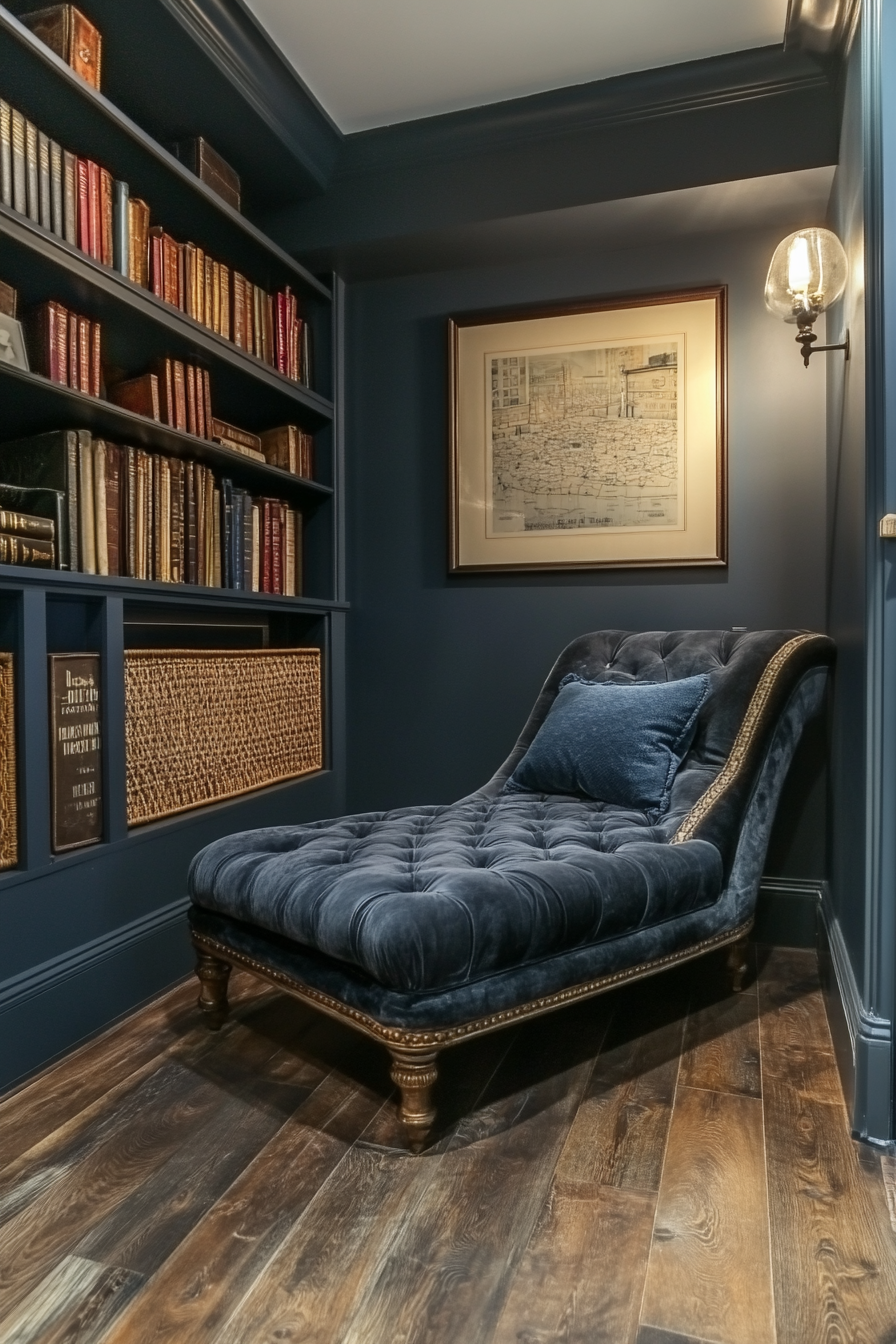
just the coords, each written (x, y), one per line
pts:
(442, 671)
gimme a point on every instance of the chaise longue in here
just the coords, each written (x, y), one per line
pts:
(625, 833)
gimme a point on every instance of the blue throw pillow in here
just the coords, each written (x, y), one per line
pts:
(618, 744)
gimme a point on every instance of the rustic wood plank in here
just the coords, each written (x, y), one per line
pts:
(445, 1272)
(582, 1275)
(309, 1286)
(834, 1255)
(888, 1172)
(648, 1334)
(75, 1302)
(796, 1041)
(721, 1038)
(709, 1272)
(619, 1133)
(38, 1107)
(104, 1165)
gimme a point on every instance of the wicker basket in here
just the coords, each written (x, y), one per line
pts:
(9, 840)
(204, 725)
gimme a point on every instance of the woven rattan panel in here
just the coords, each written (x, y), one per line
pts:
(203, 725)
(9, 846)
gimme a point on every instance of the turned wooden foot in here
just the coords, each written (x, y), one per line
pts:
(738, 963)
(414, 1073)
(213, 976)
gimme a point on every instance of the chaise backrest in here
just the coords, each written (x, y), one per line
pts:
(752, 676)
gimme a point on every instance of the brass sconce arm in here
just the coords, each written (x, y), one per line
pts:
(807, 338)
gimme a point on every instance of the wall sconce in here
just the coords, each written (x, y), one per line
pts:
(808, 273)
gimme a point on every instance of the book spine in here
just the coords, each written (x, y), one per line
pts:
(5, 153)
(282, 353)
(199, 495)
(225, 286)
(32, 173)
(27, 525)
(107, 218)
(84, 350)
(138, 242)
(45, 208)
(209, 528)
(70, 198)
(57, 190)
(247, 542)
(216, 298)
(164, 522)
(74, 438)
(248, 324)
(59, 335)
(94, 211)
(256, 548)
(300, 554)
(83, 176)
(239, 306)
(177, 520)
(216, 538)
(87, 519)
(156, 277)
(155, 526)
(140, 514)
(180, 394)
(16, 550)
(190, 383)
(267, 558)
(99, 507)
(74, 364)
(190, 522)
(129, 499)
(121, 235)
(86, 48)
(289, 558)
(226, 520)
(17, 159)
(113, 506)
(96, 362)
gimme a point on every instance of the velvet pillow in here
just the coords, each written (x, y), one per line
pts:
(618, 744)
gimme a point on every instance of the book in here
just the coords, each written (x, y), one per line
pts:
(289, 448)
(190, 566)
(73, 38)
(239, 310)
(216, 538)
(176, 467)
(32, 173)
(198, 155)
(43, 506)
(155, 521)
(5, 153)
(298, 583)
(57, 190)
(180, 394)
(138, 242)
(192, 410)
(121, 228)
(129, 511)
(256, 548)
(76, 750)
(164, 520)
(17, 162)
(16, 550)
(47, 331)
(140, 395)
(99, 507)
(43, 181)
(289, 554)
(50, 462)
(74, 364)
(94, 211)
(82, 172)
(96, 360)
(86, 507)
(8, 299)
(70, 198)
(26, 525)
(84, 349)
(241, 437)
(113, 507)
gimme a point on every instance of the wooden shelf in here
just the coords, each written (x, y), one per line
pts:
(69, 110)
(64, 584)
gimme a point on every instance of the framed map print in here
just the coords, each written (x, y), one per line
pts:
(590, 435)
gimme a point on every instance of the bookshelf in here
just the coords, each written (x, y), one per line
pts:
(59, 905)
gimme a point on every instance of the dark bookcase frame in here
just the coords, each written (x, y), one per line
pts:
(91, 933)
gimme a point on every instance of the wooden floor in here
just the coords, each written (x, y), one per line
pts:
(665, 1165)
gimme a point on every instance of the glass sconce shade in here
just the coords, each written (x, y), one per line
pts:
(808, 273)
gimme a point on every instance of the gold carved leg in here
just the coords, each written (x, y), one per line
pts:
(414, 1073)
(213, 976)
(738, 963)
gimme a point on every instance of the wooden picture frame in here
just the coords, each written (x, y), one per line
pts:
(590, 435)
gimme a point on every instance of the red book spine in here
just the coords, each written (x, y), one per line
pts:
(192, 417)
(84, 354)
(83, 205)
(57, 338)
(95, 360)
(281, 333)
(74, 365)
(95, 225)
(200, 404)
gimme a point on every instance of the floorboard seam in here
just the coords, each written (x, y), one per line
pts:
(768, 1202)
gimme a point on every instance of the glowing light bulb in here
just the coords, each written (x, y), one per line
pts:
(799, 267)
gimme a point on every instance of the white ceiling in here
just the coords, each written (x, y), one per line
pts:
(375, 62)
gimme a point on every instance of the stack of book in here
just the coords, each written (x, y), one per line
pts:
(176, 394)
(290, 448)
(26, 539)
(82, 203)
(148, 516)
(65, 347)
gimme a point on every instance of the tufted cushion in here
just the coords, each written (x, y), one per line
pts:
(429, 897)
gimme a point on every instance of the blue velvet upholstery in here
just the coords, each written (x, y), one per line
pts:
(431, 916)
(619, 744)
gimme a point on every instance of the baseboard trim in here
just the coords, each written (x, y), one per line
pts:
(787, 912)
(50, 974)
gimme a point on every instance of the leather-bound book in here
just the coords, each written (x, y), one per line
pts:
(281, 447)
(267, 535)
(49, 463)
(234, 437)
(129, 511)
(181, 300)
(74, 363)
(82, 169)
(87, 507)
(121, 227)
(277, 520)
(226, 533)
(84, 352)
(177, 519)
(216, 539)
(70, 197)
(171, 268)
(289, 555)
(95, 211)
(47, 331)
(208, 292)
(106, 241)
(300, 555)
(192, 412)
(281, 362)
(76, 793)
(38, 512)
(99, 506)
(236, 537)
(96, 359)
(165, 374)
(5, 153)
(73, 37)
(239, 310)
(209, 527)
(57, 190)
(8, 299)
(15, 550)
(26, 525)
(270, 327)
(113, 506)
(247, 540)
(17, 161)
(258, 321)
(163, 521)
(189, 264)
(216, 298)
(32, 173)
(140, 395)
(141, 513)
(138, 242)
(156, 266)
(225, 286)
(207, 402)
(155, 534)
(43, 181)
(256, 548)
(198, 155)
(189, 524)
(179, 381)
(248, 317)
(199, 497)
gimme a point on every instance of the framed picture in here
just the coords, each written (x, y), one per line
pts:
(590, 435)
(12, 343)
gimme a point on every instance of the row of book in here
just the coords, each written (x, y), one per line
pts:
(66, 347)
(117, 510)
(80, 201)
